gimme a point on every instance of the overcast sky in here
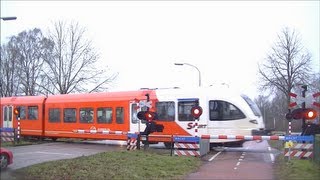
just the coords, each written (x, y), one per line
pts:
(142, 40)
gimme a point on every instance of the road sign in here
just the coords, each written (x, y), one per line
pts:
(299, 138)
(300, 100)
(288, 144)
(316, 95)
(186, 139)
(144, 103)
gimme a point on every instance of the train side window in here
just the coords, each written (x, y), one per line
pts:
(134, 112)
(119, 115)
(23, 112)
(32, 112)
(6, 114)
(222, 111)
(86, 115)
(165, 111)
(184, 110)
(69, 115)
(252, 105)
(54, 115)
(104, 115)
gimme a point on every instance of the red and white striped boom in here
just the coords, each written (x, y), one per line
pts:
(241, 137)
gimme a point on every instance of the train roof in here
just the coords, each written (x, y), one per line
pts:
(168, 93)
(101, 96)
(23, 100)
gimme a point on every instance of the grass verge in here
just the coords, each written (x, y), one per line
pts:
(294, 168)
(113, 165)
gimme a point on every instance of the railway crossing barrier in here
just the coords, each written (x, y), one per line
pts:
(8, 134)
(299, 147)
(199, 146)
(190, 146)
(94, 131)
(296, 145)
(132, 142)
(241, 137)
(316, 149)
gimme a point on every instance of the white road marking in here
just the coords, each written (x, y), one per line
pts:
(214, 156)
(17, 154)
(65, 154)
(271, 155)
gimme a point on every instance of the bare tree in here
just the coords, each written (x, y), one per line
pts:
(23, 61)
(315, 83)
(9, 79)
(264, 106)
(71, 68)
(287, 64)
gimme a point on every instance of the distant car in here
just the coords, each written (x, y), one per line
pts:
(6, 158)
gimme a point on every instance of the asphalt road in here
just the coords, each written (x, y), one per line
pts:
(253, 161)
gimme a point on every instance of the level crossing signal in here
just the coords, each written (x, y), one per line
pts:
(146, 115)
(16, 111)
(151, 125)
(196, 111)
(302, 113)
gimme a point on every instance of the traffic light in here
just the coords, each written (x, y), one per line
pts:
(16, 111)
(300, 113)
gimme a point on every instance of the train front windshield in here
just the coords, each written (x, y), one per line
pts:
(252, 105)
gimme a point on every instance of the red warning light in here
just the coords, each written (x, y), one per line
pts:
(310, 114)
(16, 111)
(196, 111)
(149, 115)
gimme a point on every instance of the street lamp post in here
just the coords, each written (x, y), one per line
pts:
(8, 18)
(181, 64)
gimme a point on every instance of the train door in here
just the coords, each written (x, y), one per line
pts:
(135, 125)
(7, 119)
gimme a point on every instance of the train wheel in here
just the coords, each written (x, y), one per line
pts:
(4, 160)
(54, 139)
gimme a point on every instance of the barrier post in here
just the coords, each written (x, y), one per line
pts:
(204, 146)
(146, 144)
(172, 146)
(316, 149)
(18, 131)
(145, 139)
(138, 141)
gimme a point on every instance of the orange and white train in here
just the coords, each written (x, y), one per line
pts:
(110, 115)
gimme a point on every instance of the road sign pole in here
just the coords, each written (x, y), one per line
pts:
(305, 88)
(148, 99)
